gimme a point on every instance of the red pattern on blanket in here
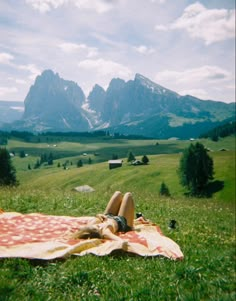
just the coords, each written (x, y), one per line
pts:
(37, 228)
(32, 230)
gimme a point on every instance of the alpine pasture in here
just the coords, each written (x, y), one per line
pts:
(205, 232)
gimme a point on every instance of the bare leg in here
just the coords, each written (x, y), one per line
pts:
(113, 205)
(127, 208)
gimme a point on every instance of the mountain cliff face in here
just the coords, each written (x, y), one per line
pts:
(137, 106)
(96, 98)
(137, 99)
(54, 104)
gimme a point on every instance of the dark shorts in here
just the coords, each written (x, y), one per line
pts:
(121, 221)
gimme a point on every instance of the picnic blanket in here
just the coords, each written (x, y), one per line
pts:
(39, 236)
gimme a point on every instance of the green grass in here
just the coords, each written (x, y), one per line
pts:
(206, 230)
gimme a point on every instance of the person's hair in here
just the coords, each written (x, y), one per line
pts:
(87, 232)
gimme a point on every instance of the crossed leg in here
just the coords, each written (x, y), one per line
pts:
(123, 206)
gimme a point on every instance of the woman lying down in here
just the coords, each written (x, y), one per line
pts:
(118, 217)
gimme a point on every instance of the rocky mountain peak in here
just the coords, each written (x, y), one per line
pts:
(47, 77)
(116, 84)
(49, 74)
(96, 89)
(96, 98)
(52, 99)
(144, 81)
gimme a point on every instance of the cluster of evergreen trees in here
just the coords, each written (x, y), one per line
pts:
(131, 158)
(221, 131)
(44, 158)
(196, 169)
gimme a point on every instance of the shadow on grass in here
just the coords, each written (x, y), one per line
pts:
(209, 190)
(214, 187)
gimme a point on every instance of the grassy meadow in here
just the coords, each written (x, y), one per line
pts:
(205, 233)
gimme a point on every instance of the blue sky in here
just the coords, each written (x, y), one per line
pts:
(186, 46)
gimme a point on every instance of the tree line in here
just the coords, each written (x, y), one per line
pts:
(221, 131)
(53, 136)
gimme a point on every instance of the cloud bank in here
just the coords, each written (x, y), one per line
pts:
(186, 46)
(210, 25)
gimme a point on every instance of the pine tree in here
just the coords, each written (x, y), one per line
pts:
(37, 164)
(43, 158)
(145, 159)
(22, 154)
(196, 168)
(50, 159)
(80, 163)
(164, 190)
(131, 157)
(7, 170)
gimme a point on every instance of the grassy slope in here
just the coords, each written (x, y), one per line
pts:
(206, 231)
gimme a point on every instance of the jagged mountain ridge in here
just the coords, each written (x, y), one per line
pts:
(141, 106)
(55, 103)
(137, 106)
(139, 98)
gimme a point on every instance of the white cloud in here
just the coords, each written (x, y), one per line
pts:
(210, 25)
(142, 49)
(7, 90)
(101, 35)
(73, 48)
(99, 6)
(200, 93)
(6, 58)
(161, 27)
(205, 82)
(17, 81)
(159, 1)
(200, 74)
(21, 81)
(32, 69)
(105, 67)
(45, 5)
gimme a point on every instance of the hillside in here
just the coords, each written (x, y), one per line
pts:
(224, 130)
(205, 227)
(164, 159)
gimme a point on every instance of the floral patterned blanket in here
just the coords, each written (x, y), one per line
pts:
(39, 236)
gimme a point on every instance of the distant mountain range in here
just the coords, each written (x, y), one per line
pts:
(138, 106)
(10, 111)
